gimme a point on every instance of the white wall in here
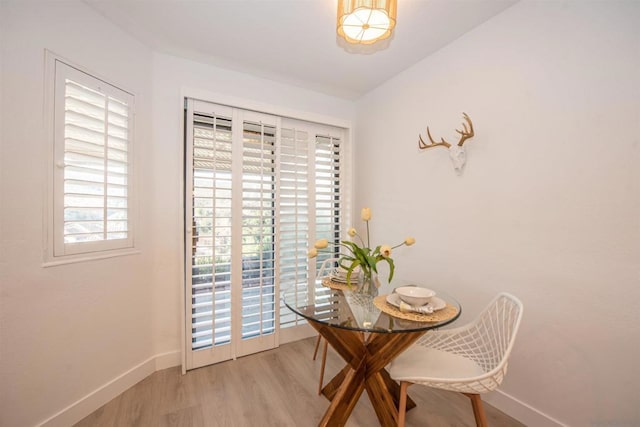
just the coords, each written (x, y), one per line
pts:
(65, 330)
(174, 78)
(76, 334)
(548, 207)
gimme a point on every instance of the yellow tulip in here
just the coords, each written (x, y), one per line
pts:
(385, 251)
(365, 214)
(352, 232)
(313, 252)
(409, 241)
(321, 244)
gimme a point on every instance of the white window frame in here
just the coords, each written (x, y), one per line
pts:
(57, 252)
(321, 121)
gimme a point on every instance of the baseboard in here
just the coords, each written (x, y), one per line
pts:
(167, 360)
(297, 333)
(83, 407)
(519, 410)
(75, 412)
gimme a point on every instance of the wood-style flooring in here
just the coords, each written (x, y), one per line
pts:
(273, 388)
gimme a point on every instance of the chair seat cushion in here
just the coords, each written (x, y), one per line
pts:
(419, 364)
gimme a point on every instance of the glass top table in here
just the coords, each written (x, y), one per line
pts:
(357, 312)
(368, 339)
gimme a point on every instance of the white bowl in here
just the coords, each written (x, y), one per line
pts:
(415, 295)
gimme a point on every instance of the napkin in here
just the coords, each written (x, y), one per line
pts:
(406, 308)
(342, 272)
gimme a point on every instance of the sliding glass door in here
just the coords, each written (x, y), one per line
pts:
(258, 190)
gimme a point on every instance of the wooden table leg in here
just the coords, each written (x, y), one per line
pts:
(330, 390)
(364, 370)
(346, 398)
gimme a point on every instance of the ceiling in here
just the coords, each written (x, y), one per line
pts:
(294, 41)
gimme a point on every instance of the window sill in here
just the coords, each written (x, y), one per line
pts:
(88, 257)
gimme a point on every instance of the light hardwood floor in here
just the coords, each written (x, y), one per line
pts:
(273, 388)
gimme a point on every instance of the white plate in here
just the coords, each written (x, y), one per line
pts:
(436, 303)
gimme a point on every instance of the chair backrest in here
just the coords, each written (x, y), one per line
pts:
(488, 339)
(326, 267)
(494, 331)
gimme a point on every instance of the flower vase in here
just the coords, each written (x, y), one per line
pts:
(368, 284)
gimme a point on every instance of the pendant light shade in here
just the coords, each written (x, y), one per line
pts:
(366, 21)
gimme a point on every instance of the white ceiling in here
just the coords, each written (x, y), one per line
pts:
(294, 41)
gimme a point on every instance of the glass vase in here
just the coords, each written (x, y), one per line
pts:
(368, 283)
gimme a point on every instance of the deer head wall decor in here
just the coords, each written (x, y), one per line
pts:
(456, 151)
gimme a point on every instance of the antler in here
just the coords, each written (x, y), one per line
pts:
(465, 134)
(423, 146)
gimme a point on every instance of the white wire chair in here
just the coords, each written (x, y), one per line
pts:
(323, 271)
(471, 359)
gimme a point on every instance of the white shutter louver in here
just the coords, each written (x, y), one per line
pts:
(328, 195)
(255, 189)
(294, 218)
(258, 229)
(211, 231)
(297, 184)
(93, 127)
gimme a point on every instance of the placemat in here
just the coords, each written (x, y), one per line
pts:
(337, 285)
(437, 316)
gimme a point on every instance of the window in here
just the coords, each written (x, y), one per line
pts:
(312, 204)
(258, 228)
(259, 190)
(93, 129)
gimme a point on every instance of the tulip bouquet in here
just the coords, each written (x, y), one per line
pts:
(361, 255)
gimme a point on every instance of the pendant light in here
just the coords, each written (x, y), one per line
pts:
(366, 21)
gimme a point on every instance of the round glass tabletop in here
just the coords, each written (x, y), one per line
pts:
(359, 312)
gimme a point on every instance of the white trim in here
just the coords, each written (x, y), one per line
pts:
(90, 257)
(78, 410)
(260, 107)
(182, 259)
(296, 333)
(55, 56)
(48, 187)
(526, 414)
(278, 227)
(102, 395)
(55, 252)
(236, 231)
(187, 232)
(208, 97)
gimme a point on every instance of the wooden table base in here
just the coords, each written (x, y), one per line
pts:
(366, 360)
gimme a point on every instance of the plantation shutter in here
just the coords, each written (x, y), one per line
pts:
(210, 250)
(329, 192)
(258, 228)
(329, 205)
(258, 190)
(313, 205)
(93, 130)
(294, 217)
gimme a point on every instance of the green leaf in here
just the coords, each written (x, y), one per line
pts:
(392, 267)
(354, 264)
(351, 245)
(372, 261)
(343, 259)
(361, 257)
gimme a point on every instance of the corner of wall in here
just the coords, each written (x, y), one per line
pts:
(103, 394)
(519, 410)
